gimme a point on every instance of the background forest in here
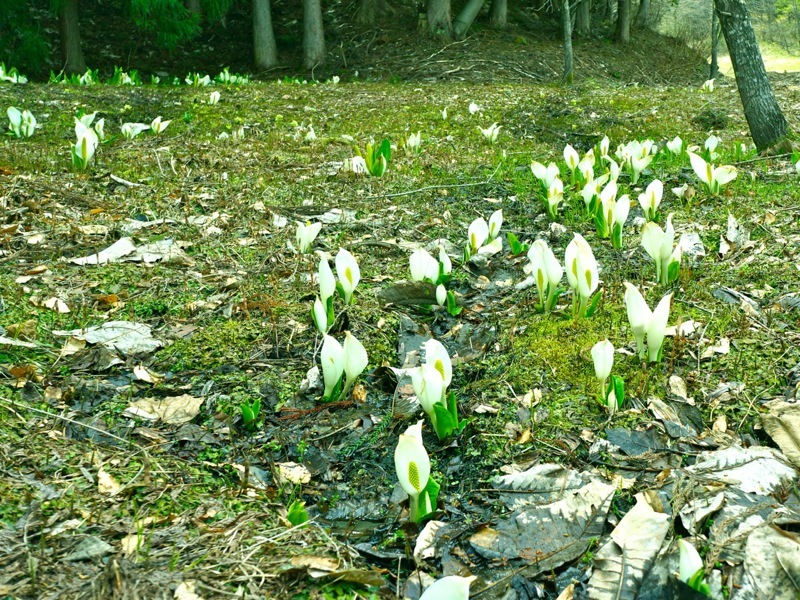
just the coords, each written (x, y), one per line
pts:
(277, 38)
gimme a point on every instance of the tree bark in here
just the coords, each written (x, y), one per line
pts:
(714, 68)
(365, 13)
(498, 14)
(265, 50)
(566, 27)
(466, 17)
(623, 21)
(583, 18)
(643, 14)
(314, 53)
(71, 51)
(439, 20)
(767, 124)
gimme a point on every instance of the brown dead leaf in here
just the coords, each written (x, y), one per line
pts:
(106, 483)
(24, 331)
(72, 346)
(57, 305)
(172, 410)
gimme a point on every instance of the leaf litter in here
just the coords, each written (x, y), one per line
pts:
(543, 496)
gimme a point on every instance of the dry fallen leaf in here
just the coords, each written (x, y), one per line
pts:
(173, 410)
(106, 484)
(57, 305)
(293, 473)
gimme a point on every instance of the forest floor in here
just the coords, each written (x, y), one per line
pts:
(127, 472)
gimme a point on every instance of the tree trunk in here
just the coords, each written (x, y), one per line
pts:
(643, 14)
(623, 21)
(71, 52)
(439, 25)
(313, 34)
(583, 21)
(265, 51)
(767, 124)
(566, 26)
(713, 71)
(498, 14)
(365, 13)
(466, 17)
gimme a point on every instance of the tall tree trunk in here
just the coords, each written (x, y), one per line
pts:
(365, 13)
(767, 124)
(623, 21)
(714, 68)
(71, 52)
(583, 20)
(498, 14)
(466, 17)
(265, 51)
(643, 14)
(439, 20)
(566, 27)
(313, 34)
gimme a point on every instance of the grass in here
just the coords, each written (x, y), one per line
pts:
(236, 319)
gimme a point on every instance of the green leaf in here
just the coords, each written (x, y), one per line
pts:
(296, 513)
(452, 307)
(427, 498)
(445, 424)
(696, 582)
(250, 412)
(336, 391)
(616, 236)
(617, 385)
(672, 271)
(600, 223)
(514, 243)
(385, 150)
(590, 310)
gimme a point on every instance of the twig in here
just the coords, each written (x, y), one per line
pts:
(437, 187)
(141, 449)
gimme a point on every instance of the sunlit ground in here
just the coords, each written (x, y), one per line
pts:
(775, 59)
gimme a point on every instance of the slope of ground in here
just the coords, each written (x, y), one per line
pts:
(99, 500)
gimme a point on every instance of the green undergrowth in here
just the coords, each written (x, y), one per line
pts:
(235, 316)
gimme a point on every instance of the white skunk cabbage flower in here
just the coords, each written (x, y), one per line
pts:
(327, 282)
(492, 132)
(332, 358)
(348, 272)
(412, 464)
(477, 233)
(131, 130)
(441, 295)
(157, 125)
(713, 177)
(429, 388)
(675, 146)
(436, 355)
(644, 322)
(451, 587)
(306, 234)
(355, 360)
(495, 223)
(547, 272)
(690, 561)
(603, 358)
(320, 316)
(651, 199)
(547, 175)
(423, 266)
